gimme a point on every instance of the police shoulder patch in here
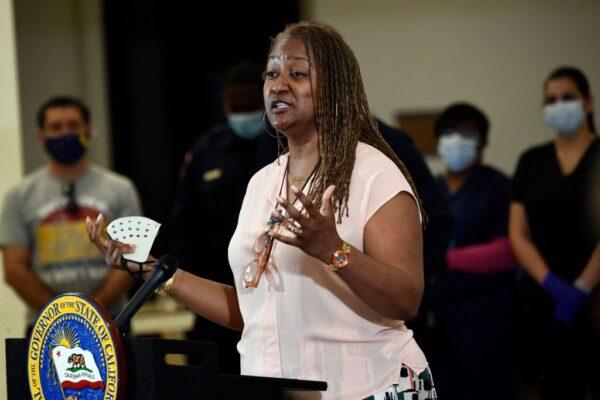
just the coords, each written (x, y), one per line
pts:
(74, 352)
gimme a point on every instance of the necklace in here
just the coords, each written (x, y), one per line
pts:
(272, 219)
(298, 181)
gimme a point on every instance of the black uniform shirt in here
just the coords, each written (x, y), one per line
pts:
(212, 185)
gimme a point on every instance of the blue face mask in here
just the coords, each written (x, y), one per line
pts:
(566, 117)
(248, 125)
(66, 149)
(457, 151)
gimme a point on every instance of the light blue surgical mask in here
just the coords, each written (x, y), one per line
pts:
(247, 125)
(566, 117)
(458, 151)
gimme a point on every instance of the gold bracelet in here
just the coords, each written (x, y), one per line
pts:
(165, 288)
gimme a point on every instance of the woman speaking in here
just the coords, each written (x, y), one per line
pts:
(327, 255)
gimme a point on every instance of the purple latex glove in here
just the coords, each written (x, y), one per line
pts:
(568, 299)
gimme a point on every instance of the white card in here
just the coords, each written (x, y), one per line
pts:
(139, 231)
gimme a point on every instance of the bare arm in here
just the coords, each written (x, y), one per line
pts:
(388, 275)
(211, 300)
(590, 276)
(214, 301)
(22, 279)
(116, 284)
(522, 246)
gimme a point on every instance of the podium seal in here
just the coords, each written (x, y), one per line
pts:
(74, 352)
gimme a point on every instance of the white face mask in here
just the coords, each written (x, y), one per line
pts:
(458, 151)
(566, 117)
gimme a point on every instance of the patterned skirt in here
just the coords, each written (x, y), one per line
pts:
(410, 387)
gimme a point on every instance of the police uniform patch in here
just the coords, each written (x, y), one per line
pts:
(74, 352)
(212, 175)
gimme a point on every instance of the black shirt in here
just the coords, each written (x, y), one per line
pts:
(559, 207)
(212, 185)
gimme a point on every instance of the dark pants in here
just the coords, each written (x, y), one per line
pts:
(473, 348)
(562, 362)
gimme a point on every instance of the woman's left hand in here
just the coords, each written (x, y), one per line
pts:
(313, 230)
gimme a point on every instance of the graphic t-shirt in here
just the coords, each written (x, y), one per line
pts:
(35, 215)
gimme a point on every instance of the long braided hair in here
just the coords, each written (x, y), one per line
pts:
(342, 116)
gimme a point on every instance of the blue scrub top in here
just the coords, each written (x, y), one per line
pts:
(479, 207)
(480, 212)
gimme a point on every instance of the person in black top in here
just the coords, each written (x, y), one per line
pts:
(474, 301)
(552, 236)
(212, 184)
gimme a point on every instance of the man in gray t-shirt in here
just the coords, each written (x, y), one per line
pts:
(42, 224)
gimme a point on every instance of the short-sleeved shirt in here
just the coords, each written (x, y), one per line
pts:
(303, 321)
(34, 215)
(558, 206)
(438, 232)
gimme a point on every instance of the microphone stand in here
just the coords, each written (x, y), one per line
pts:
(164, 269)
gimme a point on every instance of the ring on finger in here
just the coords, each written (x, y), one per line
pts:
(287, 219)
(296, 230)
(302, 214)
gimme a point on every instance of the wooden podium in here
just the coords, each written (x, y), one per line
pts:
(149, 377)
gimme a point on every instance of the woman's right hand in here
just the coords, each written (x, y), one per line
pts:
(111, 249)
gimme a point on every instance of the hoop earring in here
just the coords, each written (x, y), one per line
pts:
(268, 127)
(281, 147)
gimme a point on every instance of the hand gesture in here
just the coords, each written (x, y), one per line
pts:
(313, 230)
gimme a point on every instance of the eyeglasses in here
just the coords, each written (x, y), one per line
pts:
(264, 244)
(68, 190)
(255, 268)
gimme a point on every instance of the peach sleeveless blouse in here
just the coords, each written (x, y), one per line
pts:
(303, 321)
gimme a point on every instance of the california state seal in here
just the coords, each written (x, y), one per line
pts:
(74, 352)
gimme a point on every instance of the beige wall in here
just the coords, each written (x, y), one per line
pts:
(61, 51)
(57, 48)
(12, 311)
(425, 54)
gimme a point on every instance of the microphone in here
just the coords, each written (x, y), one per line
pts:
(164, 268)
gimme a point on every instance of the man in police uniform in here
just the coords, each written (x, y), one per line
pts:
(212, 185)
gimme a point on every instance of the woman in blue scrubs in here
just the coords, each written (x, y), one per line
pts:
(476, 297)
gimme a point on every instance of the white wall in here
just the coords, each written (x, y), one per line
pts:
(12, 311)
(425, 54)
(61, 51)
